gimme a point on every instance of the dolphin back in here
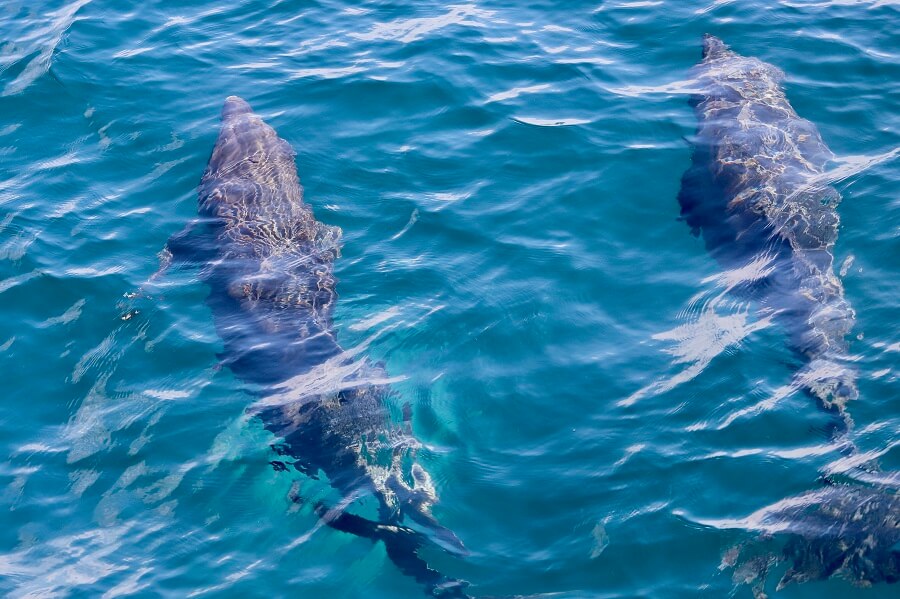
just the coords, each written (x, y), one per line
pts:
(269, 265)
(273, 288)
(757, 191)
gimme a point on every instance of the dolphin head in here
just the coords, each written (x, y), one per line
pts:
(235, 106)
(251, 172)
(713, 47)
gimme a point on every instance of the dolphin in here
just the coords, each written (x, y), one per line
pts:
(851, 531)
(269, 266)
(757, 192)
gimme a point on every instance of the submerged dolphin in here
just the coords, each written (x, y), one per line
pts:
(756, 192)
(847, 531)
(268, 263)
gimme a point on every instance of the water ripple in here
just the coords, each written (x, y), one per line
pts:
(580, 373)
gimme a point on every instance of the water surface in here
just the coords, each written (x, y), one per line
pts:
(506, 176)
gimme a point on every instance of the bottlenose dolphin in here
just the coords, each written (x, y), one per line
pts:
(756, 191)
(849, 531)
(269, 266)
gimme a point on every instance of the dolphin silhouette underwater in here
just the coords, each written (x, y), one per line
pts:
(756, 193)
(268, 263)
(851, 531)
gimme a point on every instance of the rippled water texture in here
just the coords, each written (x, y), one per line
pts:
(596, 410)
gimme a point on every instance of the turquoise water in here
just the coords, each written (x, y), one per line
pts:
(505, 175)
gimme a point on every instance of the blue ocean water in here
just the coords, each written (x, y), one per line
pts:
(591, 409)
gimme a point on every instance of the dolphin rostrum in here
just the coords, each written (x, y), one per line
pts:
(268, 263)
(757, 192)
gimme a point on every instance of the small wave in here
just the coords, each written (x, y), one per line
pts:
(344, 371)
(413, 218)
(550, 122)
(17, 245)
(761, 520)
(379, 318)
(70, 315)
(763, 405)
(714, 326)
(859, 460)
(48, 39)
(7, 284)
(325, 379)
(516, 92)
(805, 5)
(845, 168)
(411, 30)
(682, 87)
(129, 53)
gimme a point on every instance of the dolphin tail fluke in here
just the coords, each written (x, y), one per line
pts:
(402, 545)
(832, 385)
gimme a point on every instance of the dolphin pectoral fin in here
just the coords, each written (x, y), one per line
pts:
(416, 508)
(437, 534)
(693, 198)
(191, 246)
(699, 196)
(791, 576)
(415, 503)
(402, 545)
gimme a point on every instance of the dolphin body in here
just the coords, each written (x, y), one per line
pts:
(268, 263)
(850, 531)
(755, 191)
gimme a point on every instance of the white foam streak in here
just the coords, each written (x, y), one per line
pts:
(375, 320)
(413, 218)
(858, 460)
(684, 87)
(761, 519)
(806, 4)
(538, 122)
(410, 30)
(710, 333)
(846, 167)
(759, 407)
(325, 379)
(340, 372)
(516, 92)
